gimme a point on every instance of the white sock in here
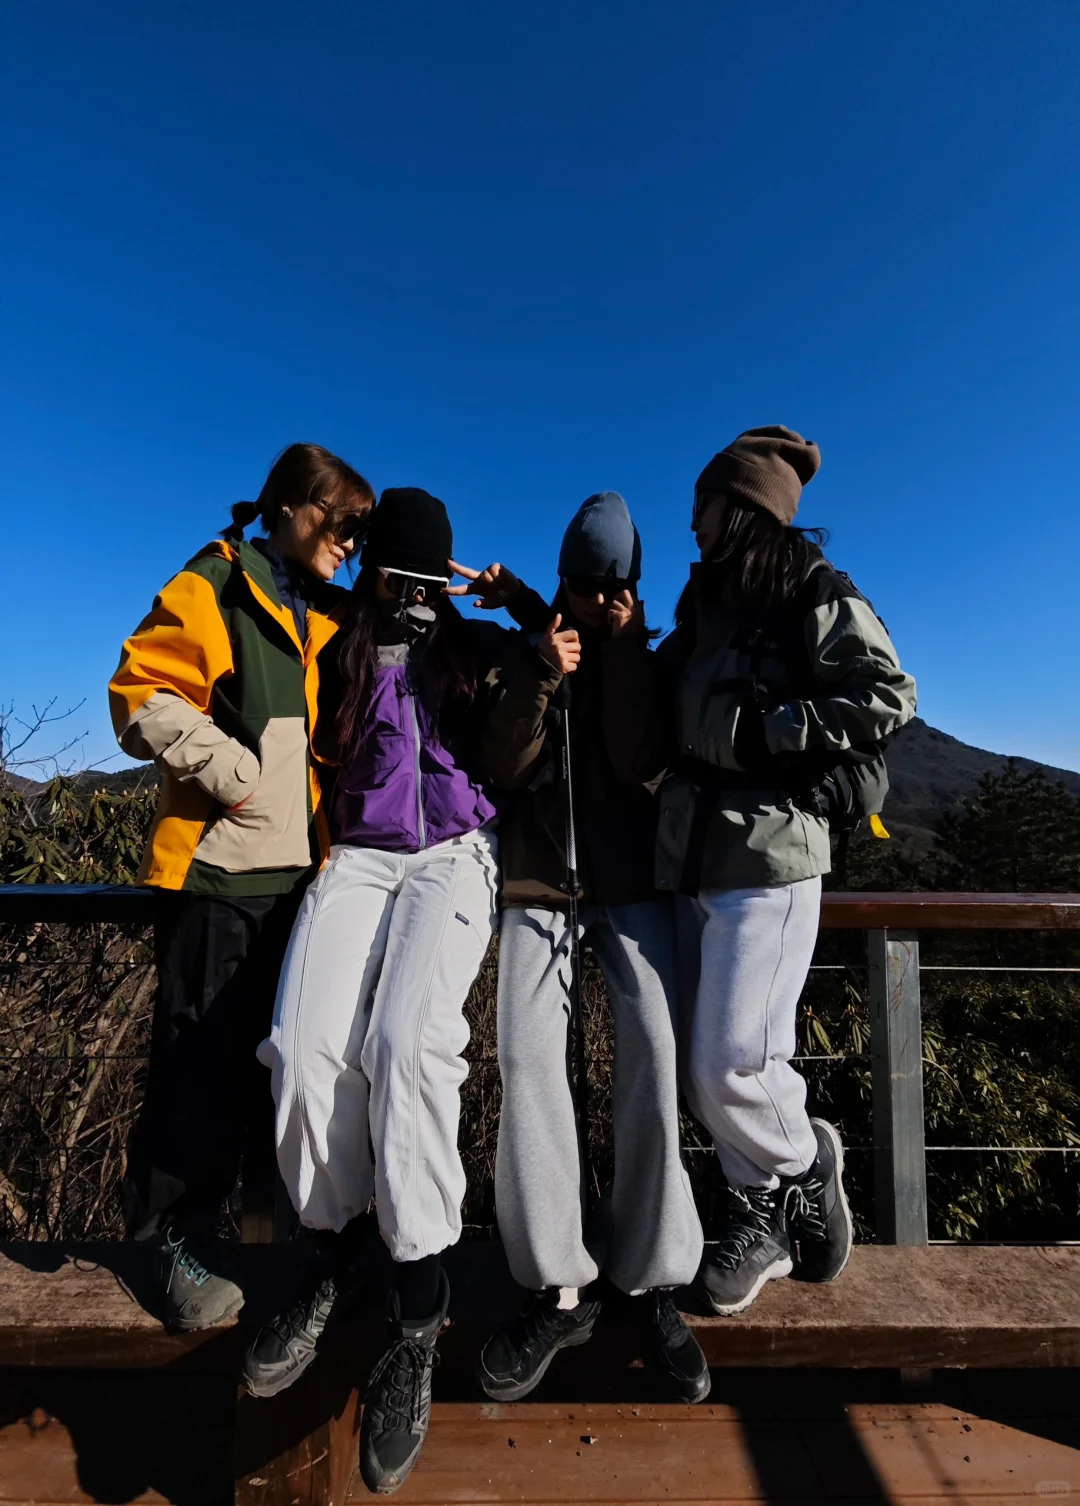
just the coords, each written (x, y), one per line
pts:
(568, 1297)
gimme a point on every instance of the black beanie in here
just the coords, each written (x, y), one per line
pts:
(768, 467)
(409, 530)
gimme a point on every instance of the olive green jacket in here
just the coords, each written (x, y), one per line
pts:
(848, 690)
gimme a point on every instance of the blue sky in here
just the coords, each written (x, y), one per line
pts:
(519, 253)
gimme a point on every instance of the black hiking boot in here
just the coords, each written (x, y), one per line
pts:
(190, 1271)
(397, 1407)
(284, 1348)
(817, 1212)
(754, 1250)
(514, 1362)
(287, 1345)
(678, 1353)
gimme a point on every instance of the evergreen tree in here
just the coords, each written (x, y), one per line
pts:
(1018, 834)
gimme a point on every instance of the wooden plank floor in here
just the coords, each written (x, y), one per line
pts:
(926, 1453)
(789, 1438)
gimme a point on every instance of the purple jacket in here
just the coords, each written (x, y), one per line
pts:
(403, 791)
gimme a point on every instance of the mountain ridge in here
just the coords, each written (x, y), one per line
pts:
(930, 772)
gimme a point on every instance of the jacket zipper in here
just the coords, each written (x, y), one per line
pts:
(421, 833)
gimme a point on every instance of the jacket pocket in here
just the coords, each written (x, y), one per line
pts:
(270, 828)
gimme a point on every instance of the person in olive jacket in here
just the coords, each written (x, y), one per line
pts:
(778, 674)
(596, 635)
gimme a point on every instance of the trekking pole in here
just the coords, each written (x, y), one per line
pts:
(577, 1020)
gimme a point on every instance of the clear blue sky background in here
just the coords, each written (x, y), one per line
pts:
(516, 253)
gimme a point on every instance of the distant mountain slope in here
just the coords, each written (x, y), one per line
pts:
(116, 781)
(929, 771)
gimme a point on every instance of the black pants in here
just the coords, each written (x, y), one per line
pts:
(218, 962)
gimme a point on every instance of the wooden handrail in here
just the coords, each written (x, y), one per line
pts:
(74, 903)
(950, 912)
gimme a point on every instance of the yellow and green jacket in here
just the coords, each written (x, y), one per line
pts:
(216, 687)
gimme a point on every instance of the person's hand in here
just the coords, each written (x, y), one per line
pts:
(494, 587)
(561, 650)
(626, 617)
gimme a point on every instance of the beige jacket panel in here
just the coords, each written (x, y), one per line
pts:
(270, 828)
(192, 746)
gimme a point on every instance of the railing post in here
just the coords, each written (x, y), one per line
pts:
(896, 1055)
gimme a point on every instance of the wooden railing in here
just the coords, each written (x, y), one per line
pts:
(892, 923)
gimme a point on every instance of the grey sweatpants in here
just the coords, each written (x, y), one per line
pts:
(744, 956)
(655, 1233)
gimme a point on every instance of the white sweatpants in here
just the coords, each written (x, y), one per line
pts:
(368, 1035)
(738, 1026)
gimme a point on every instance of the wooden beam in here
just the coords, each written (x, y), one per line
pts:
(934, 1307)
(950, 912)
(73, 904)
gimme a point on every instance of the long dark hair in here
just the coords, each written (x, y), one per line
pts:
(304, 473)
(756, 565)
(446, 664)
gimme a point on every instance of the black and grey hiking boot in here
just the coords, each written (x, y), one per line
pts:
(754, 1250)
(397, 1407)
(514, 1362)
(678, 1353)
(287, 1345)
(196, 1292)
(817, 1213)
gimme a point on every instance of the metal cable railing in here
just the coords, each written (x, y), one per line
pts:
(891, 924)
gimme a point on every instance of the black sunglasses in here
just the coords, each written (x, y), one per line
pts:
(592, 586)
(347, 529)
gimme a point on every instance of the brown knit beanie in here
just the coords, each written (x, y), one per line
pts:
(768, 467)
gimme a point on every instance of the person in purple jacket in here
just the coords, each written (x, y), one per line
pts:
(369, 1028)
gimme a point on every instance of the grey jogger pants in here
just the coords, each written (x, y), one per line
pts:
(655, 1233)
(368, 1035)
(737, 1025)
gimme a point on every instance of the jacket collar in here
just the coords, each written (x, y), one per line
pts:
(324, 610)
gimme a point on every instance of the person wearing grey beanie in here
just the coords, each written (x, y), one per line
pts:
(596, 644)
(778, 689)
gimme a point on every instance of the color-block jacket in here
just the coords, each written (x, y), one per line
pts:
(216, 687)
(832, 684)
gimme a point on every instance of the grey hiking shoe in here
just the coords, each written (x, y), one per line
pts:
(816, 1210)
(397, 1407)
(194, 1295)
(754, 1250)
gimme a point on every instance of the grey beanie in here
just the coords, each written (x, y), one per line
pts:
(601, 540)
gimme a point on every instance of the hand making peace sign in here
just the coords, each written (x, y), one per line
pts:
(494, 586)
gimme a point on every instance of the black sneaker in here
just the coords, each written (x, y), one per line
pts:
(397, 1407)
(754, 1250)
(817, 1212)
(514, 1362)
(678, 1353)
(284, 1349)
(194, 1294)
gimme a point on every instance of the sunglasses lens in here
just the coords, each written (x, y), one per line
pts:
(350, 528)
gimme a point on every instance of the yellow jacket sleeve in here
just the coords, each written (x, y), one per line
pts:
(161, 693)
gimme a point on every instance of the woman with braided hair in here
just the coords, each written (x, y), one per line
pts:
(218, 686)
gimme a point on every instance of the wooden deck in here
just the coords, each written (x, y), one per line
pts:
(791, 1437)
(809, 1404)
